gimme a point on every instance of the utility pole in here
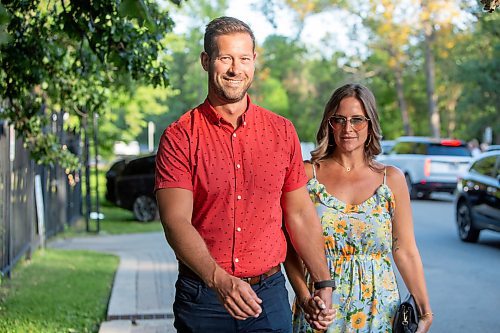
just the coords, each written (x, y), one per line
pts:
(151, 136)
(96, 125)
(86, 145)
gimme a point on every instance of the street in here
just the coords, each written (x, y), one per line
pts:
(462, 278)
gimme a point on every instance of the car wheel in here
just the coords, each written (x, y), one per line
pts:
(466, 230)
(144, 208)
(411, 189)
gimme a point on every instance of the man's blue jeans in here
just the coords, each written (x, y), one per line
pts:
(198, 310)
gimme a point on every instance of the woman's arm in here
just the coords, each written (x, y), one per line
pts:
(404, 247)
(295, 272)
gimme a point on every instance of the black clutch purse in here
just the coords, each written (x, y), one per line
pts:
(406, 318)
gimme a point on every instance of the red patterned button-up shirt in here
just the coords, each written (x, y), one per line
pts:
(237, 178)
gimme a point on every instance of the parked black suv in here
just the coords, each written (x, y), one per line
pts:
(478, 197)
(130, 185)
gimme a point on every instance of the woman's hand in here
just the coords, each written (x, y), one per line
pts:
(425, 323)
(316, 313)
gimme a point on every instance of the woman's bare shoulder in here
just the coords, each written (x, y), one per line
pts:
(309, 169)
(394, 173)
(395, 179)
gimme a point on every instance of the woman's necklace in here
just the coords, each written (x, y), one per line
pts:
(347, 169)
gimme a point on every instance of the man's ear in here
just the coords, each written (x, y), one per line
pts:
(205, 60)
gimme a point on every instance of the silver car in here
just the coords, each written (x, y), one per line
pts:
(429, 164)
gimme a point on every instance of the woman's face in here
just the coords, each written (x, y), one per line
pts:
(349, 125)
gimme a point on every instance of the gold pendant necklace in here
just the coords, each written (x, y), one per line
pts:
(347, 169)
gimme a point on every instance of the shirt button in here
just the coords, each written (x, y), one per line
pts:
(236, 260)
(238, 229)
(239, 197)
(244, 123)
(238, 166)
(234, 134)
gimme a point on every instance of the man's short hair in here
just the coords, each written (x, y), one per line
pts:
(224, 25)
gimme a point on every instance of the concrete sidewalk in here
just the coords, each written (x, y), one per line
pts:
(143, 289)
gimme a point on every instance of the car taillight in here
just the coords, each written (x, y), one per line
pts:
(427, 167)
(451, 143)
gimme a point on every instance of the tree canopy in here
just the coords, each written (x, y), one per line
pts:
(69, 58)
(120, 60)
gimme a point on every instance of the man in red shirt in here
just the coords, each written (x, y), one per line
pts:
(228, 173)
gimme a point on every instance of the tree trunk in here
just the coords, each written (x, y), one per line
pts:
(435, 122)
(451, 110)
(402, 102)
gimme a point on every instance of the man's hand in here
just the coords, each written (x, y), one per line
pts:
(238, 297)
(323, 299)
(316, 313)
(325, 295)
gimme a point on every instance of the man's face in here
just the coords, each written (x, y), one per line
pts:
(230, 68)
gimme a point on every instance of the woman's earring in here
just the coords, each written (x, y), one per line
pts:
(369, 140)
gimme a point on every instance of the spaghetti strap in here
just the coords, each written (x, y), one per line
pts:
(314, 170)
(385, 175)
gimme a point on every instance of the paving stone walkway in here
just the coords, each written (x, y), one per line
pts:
(143, 289)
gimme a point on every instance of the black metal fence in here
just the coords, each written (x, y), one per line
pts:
(22, 227)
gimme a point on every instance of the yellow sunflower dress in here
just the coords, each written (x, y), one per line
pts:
(358, 241)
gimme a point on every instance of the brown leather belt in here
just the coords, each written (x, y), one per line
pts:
(186, 271)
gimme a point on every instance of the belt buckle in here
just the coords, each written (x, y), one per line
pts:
(246, 279)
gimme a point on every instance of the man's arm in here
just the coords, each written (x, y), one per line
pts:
(176, 209)
(305, 232)
(310, 305)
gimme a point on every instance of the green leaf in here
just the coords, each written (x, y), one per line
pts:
(137, 9)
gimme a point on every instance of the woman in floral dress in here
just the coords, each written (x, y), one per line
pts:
(364, 208)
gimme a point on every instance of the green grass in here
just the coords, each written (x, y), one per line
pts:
(61, 291)
(121, 221)
(57, 292)
(116, 220)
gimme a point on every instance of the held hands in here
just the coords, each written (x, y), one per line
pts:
(238, 297)
(317, 312)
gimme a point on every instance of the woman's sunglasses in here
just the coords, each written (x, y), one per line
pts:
(357, 122)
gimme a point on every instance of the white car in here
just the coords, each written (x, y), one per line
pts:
(429, 164)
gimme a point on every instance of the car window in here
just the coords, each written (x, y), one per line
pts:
(438, 149)
(496, 168)
(404, 148)
(485, 166)
(118, 165)
(140, 166)
(493, 147)
(386, 146)
(421, 148)
(117, 168)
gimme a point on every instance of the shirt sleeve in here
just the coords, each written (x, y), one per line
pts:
(296, 175)
(173, 166)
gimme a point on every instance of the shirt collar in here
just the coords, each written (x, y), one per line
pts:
(216, 118)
